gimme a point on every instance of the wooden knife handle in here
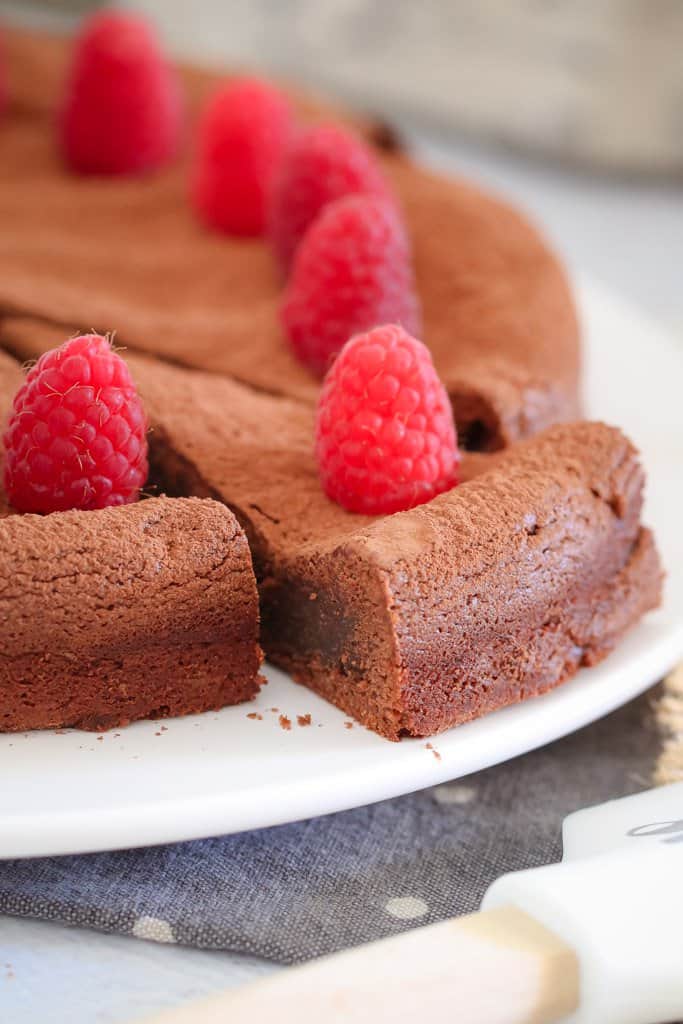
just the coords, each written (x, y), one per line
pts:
(497, 967)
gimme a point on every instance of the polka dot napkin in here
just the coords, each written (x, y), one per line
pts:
(298, 891)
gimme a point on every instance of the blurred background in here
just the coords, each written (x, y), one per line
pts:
(572, 108)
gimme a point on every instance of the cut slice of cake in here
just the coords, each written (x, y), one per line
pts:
(491, 593)
(145, 610)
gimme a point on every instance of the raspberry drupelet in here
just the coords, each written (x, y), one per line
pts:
(76, 437)
(385, 437)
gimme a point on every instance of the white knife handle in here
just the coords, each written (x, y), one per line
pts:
(622, 913)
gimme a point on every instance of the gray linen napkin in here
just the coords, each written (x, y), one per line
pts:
(298, 891)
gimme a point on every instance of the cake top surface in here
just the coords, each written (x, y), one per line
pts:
(497, 312)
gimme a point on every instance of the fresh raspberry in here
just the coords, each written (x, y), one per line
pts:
(123, 112)
(385, 438)
(323, 163)
(352, 271)
(76, 434)
(242, 136)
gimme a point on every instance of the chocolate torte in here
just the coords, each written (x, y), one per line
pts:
(493, 592)
(129, 254)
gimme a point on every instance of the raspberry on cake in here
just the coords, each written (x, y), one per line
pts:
(325, 162)
(76, 436)
(385, 439)
(352, 271)
(241, 138)
(123, 112)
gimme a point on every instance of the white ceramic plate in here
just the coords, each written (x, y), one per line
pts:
(218, 773)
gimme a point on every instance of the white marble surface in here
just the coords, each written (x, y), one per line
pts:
(74, 976)
(628, 235)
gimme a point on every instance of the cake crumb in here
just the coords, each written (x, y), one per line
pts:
(348, 725)
(285, 723)
(164, 728)
(274, 710)
(100, 738)
(303, 720)
(434, 751)
(255, 716)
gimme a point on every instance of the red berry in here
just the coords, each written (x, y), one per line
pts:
(76, 437)
(323, 163)
(352, 271)
(385, 438)
(242, 135)
(123, 111)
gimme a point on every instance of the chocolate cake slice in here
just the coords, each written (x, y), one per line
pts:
(138, 611)
(128, 254)
(142, 611)
(415, 622)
